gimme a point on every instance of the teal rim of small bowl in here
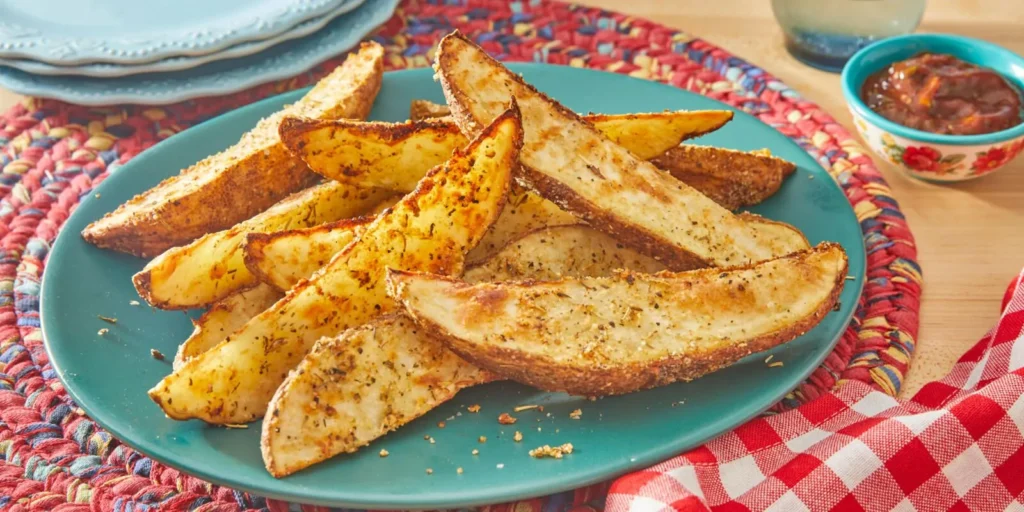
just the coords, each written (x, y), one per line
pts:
(968, 49)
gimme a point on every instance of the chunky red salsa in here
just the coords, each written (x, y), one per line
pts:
(942, 94)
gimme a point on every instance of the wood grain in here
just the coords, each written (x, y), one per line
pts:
(967, 234)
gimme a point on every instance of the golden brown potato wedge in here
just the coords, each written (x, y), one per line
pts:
(284, 258)
(420, 110)
(431, 229)
(213, 267)
(224, 318)
(357, 387)
(614, 335)
(731, 178)
(243, 180)
(572, 164)
(560, 251)
(397, 155)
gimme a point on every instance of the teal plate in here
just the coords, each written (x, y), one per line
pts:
(109, 375)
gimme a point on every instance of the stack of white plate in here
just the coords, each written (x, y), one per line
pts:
(102, 52)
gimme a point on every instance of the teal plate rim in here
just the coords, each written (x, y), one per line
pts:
(321, 485)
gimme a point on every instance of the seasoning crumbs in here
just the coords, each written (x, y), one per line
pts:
(134, 303)
(554, 452)
(473, 408)
(107, 319)
(159, 356)
(482, 439)
(236, 425)
(577, 414)
(506, 419)
(776, 364)
(430, 440)
(430, 471)
(475, 451)
(440, 424)
(102, 331)
(501, 466)
(518, 436)
(458, 470)
(383, 453)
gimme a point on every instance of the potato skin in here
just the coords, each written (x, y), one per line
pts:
(566, 160)
(229, 187)
(583, 376)
(733, 179)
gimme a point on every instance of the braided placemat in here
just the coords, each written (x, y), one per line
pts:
(53, 457)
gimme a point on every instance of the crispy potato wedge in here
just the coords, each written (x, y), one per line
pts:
(731, 178)
(357, 387)
(284, 258)
(645, 134)
(431, 229)
(572, 164)
(243, 180)
(213, 267)
(394, 372)
(420, 110)
(559, 251)
(223, 318)
(397, 155)
(614, 335)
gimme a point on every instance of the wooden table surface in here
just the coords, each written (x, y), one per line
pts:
(969, 235)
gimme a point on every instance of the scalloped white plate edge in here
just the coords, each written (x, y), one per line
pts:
(180, 62)
(156, 98)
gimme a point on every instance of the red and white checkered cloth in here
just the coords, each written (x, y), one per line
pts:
(958, 444)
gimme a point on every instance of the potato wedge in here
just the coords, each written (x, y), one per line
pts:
(627, 130)
(224, 318)
(243, 180)
(615, 335)
(559, 251)
(430, 229)
(397, 155)
(284, 258)
(569, 162)
(357, 387)
(421, 110)
(731, 178)
(645, 134)
(213, 267)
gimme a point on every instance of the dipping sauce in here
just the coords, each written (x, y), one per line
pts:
(942, 94)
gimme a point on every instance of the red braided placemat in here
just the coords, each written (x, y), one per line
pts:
(53, 457)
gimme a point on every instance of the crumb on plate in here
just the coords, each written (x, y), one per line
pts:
(554, 452)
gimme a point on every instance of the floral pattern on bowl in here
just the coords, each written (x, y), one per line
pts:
(938, 162)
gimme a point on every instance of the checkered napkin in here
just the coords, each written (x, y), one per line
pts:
(958, 444)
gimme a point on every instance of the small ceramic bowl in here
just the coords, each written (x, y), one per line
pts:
(926, 155)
